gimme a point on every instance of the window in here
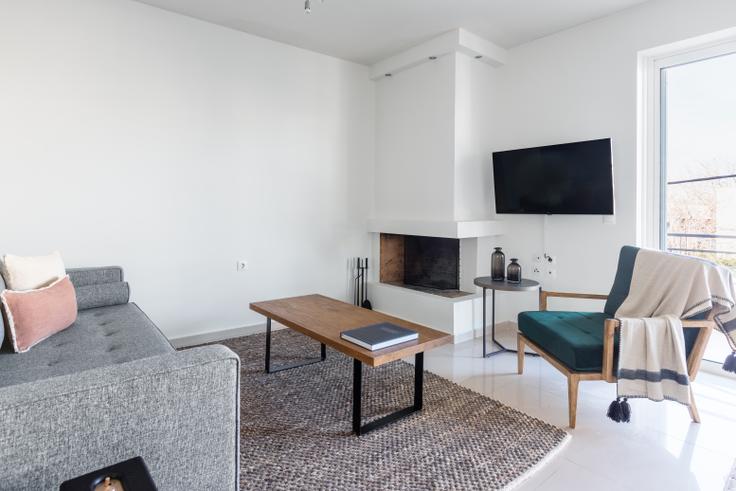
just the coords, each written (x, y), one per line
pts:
(697, 154)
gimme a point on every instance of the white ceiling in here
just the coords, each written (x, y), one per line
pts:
(366, 31)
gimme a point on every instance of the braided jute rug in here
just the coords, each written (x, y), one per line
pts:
(296, 427)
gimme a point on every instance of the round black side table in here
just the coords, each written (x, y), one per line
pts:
(487, 283)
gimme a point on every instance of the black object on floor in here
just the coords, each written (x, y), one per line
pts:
(132, 475)
(360, 290)
(366, 304)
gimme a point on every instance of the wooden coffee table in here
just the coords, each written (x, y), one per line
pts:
(323, 319)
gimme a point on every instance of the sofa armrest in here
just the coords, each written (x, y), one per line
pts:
(102, 295)
(179, 411)
(99, 286)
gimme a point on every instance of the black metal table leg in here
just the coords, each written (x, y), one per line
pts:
(357, 394)
(484, 324)
(501, 348)
(362, 429)
(289, 366)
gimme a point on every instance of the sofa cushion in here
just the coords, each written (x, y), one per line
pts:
(102, 295)
(100, 337)
(95, 275)
(32, 272)
(35, 315)
(573, 338)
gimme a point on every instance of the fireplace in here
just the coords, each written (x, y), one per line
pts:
(430, 264)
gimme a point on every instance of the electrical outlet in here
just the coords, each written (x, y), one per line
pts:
(241, 265)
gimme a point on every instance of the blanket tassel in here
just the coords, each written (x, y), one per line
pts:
(730, 364)
(620, 410)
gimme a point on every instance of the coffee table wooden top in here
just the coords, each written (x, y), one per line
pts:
(323, 319)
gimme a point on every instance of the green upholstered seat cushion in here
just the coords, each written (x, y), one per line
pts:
(573, 338)
(576, 338)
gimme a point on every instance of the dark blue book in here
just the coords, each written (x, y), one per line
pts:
(379, 336)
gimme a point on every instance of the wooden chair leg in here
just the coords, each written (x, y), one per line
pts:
(572, 398)
(694, 414)
(520, 353)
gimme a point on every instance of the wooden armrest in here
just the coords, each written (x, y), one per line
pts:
(698, 324)
(693, 363)
(588, 296)
(609, 331)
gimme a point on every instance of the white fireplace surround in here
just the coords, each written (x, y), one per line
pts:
(434, 129)
(449, 229)
(461, 316)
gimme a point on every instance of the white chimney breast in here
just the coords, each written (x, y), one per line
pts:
(434, 141)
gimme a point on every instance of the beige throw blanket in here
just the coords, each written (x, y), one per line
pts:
(664, 289)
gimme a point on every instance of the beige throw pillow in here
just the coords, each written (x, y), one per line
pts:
(29, 273)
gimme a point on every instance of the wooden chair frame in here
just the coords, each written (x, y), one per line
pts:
(606, 374)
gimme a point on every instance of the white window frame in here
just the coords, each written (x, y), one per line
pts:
(650, 186)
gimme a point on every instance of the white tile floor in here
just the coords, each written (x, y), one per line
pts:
(659, 450)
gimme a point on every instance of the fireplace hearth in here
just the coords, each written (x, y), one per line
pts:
(429, 264)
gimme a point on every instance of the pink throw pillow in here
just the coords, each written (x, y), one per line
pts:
(34, 315)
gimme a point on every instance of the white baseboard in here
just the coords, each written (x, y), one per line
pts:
(236, 332)
(502, 326)
(221, 334)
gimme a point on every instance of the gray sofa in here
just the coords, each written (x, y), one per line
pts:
(111, 387)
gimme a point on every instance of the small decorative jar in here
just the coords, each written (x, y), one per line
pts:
(513, 274)
(498, 265)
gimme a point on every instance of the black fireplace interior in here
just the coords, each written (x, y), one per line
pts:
(432, 262)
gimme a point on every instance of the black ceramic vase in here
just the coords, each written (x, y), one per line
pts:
(498, 265)
(513, 274)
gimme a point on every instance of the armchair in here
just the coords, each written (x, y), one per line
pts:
(582, 345)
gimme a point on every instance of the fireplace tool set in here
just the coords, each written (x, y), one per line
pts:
(361, 284)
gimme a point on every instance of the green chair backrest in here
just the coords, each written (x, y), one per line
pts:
(622, 284)
(622, 281)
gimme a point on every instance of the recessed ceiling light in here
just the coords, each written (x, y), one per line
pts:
(387, 75)
(432, 57)
(478, 57)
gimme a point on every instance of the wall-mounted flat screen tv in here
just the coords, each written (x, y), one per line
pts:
(566, 179)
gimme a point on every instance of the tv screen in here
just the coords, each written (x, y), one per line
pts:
(567, 179)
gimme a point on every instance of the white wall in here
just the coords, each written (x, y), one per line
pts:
(582, 84)
(173, 147)
(433, 123)
(415, 142)
(477, 100)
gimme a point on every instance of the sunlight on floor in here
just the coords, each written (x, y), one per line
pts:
(660, 449)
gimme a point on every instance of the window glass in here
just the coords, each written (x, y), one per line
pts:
(699, 164)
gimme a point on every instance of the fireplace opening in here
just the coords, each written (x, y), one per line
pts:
(430, 264)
